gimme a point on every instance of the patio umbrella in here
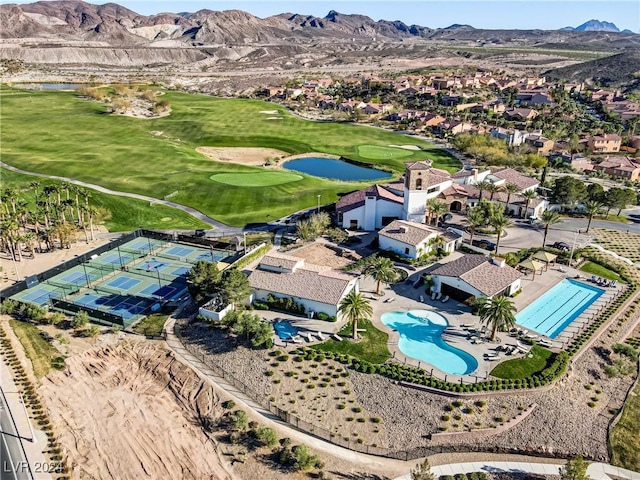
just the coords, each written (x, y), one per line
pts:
(531, 264)
(545, 257)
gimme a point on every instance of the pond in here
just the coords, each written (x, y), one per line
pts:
(48, 86)
(334, 169)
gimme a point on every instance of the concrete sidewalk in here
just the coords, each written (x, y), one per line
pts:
(595, 471)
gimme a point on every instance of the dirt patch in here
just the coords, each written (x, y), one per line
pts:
(321, 254)
(256, 156)
(123, 422)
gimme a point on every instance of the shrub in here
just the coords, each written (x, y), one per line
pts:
(239, 420)
(229, 404)
(302, 459)
(80, 320)
(375, 420)
(267, 436)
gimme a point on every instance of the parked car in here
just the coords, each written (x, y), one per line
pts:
(562, 246)
(485, 245)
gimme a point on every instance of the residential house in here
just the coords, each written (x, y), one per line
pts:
(371, 208)
(575, 161)
(433, 120)
(609, 143)
(525, 99)
(317, 288)
(455, 127)
(624, 168)
(521, 114)
(413, 240)
(541, 144)
(510, 175)
(513, 138)
(474, 276)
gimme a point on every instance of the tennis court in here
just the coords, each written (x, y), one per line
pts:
(114, 259)
(40, 294)
(124, 283)
(129, 308)
(191, 254)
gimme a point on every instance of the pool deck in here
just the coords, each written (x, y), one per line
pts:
(464, 331)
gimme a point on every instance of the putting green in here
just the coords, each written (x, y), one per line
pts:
(377, 152)
(257, 179)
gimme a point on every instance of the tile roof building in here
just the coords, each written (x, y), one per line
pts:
(412, 240)
(319, 289)
(474, 275)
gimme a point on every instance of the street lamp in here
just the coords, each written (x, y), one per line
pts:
(318, 210)
(158, 272)
(575, 238)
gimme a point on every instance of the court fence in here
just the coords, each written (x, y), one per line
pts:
(72, 308)
(328, 436)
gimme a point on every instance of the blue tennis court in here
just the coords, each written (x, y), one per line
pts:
(124, 283)
(165, 291)
(180, 251)
(39, 295)
(150, 265)
(76, 278)
(180, 271)
(114, 259)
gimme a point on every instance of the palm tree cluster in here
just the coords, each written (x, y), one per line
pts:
(487, 213)
(51, 220)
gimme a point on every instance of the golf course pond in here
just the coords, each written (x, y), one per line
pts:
(334, 169)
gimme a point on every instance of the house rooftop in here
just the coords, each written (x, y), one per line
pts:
(412, 233)
(327, 286)
(478, 271)
(509, 175)
(356, 199)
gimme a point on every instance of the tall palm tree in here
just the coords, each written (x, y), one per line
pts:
(498, 312)
(475, 219)
(510, 188)
(492, 188)
(440, 209)
(591, 207)
(499, 222)
(381, 269)
(482, 186)
(35, 186)
(528, 195)
(549, 218)
(354, 306)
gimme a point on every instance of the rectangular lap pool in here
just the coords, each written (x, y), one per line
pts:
(551, 313)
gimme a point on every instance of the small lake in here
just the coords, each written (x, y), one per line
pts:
(334, 169)
(48, 86)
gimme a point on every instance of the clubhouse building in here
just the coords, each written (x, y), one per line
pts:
(377, 206)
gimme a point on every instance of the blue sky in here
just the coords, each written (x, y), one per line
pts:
(519, 14)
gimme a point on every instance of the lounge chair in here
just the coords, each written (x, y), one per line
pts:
(421, 299)
(296, 339)
(531, 336)
(433, 296)
(445, 299)
(320, 336)
(389, 300)
(613, 283)
(438, 295)
(594, 279)
(309, 337)
(336, 337)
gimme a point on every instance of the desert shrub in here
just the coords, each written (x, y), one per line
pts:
(267, 436)
(229, 404)
(239, 420)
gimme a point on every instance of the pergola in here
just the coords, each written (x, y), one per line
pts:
(531, 264)
(546, 257)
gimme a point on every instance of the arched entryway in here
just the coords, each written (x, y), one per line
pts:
(455, 206)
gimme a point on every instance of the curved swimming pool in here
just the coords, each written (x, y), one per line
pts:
(421, 338)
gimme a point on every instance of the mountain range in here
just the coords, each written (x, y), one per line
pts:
(74, 20)
(597, 26)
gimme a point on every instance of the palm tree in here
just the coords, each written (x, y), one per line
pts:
(510, 188)
(499, 222)
(549, 218)
(499, 312)
(381, 269)
(528, 195)
(437, 242)
(492, 188)
(591, 207)
(34, 186)
(482, 186)
(475, 219)
(440, 209)
(355, 306)
(430, 206)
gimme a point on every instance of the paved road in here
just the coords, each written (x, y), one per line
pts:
(13, 458)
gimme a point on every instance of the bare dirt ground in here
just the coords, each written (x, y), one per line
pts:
(123, 422)
(321, 254)
(44, 261)
(244, 156)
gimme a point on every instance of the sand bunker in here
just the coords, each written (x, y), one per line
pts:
(406, 147)
(274, 118)
(244, 155)
(270, 112)
(133, 413)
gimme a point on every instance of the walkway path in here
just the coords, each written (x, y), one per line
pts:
(595, 471)
(191, 211)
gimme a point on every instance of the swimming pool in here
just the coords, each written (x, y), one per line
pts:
(421, 338)
(285, 330)
(551, 313)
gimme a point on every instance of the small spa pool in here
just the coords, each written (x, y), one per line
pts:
(421, 338)
(285, 330)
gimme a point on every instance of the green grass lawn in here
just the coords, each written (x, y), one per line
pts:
(124, 213)
(255, 179)
(151, 325)
(61, 134)
(376, 152)
(41, 353)
(523, 367)
(624, 440)
(372, 346)
(599, 270)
